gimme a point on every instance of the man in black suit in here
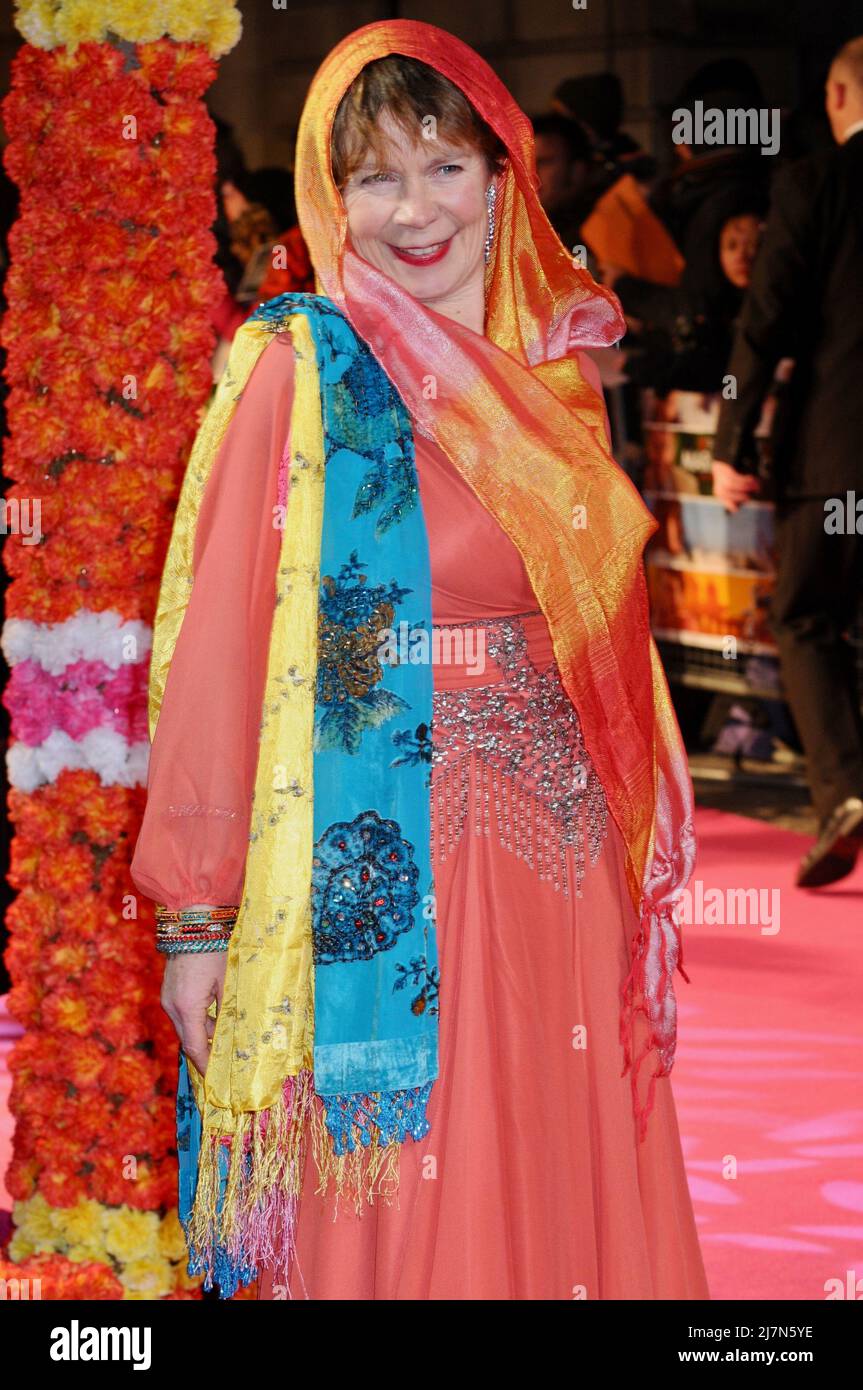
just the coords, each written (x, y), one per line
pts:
(805, 301)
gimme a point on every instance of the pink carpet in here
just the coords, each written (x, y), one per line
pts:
(767, 1078)
(769, 1072)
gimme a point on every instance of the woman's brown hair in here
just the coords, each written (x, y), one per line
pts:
(410, 91)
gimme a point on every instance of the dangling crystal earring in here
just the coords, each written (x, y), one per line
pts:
(490, 198)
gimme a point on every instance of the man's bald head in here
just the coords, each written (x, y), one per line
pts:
(844, 91)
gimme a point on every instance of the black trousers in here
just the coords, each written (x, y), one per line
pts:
(819, 583)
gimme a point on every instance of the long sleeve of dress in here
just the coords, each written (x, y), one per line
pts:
(194, 835)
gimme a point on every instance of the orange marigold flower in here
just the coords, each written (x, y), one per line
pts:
(67, 1010)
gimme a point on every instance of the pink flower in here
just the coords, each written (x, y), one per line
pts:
(87, 695)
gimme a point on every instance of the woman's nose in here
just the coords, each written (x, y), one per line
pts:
(416, 207)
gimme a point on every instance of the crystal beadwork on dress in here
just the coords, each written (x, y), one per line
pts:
(516, 743)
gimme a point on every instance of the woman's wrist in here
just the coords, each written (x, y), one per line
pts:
(192, 930)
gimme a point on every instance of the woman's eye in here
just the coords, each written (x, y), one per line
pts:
(383, 175)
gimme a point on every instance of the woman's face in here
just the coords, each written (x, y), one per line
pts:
(233, 201)
(421, 215)
(738, 243)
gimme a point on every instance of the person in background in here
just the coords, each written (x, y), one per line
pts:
(739, 239)
(254, 204)
(253, 233)
(710, 182)
(563, 164)
(257, 205)
(803, 301)
(596, 102)
(271, 187)
(290, 270)
(281, 264)
(230, 168)
(681, 337)
(614, 225)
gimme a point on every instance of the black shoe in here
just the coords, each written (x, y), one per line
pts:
(835, 852)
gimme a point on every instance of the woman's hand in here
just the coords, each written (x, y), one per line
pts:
(190, 984)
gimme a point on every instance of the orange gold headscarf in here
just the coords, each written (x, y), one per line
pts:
(514, 413)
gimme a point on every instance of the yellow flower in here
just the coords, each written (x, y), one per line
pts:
(185, 25)
(20, 1248)
(78, 21)
(147, 1278)
(36, 1219)
(35, 1232)
(224, 33)
(172, 1241)
(131, 1234)
(83, 1254)
(84, 1224)
(136, 22)
(51, 23)
(35, 22)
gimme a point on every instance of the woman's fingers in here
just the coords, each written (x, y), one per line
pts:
(190, 1027)
(194, 1041)
(190, 986)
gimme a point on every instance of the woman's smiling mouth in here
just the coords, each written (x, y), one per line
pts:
(421, 255)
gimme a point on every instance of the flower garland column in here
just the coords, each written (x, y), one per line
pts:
(110, 290)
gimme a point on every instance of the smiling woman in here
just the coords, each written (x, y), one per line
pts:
(449, 978)
(419, 171)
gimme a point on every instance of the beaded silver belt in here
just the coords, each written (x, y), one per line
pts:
(517, 743)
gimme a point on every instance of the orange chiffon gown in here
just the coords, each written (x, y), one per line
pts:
(532, 1183)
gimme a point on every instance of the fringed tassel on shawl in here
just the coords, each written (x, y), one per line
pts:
(648, 991)
(248, 1188)
(362, 1173)
(246, 1203)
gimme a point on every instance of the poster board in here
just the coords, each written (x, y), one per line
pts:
(710, 572)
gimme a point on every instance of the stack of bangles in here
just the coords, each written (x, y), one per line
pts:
(194, 929)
